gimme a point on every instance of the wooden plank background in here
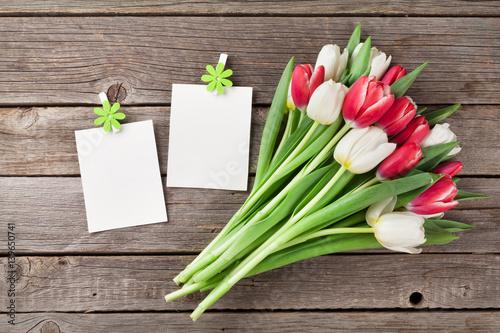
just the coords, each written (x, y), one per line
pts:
(55, 56)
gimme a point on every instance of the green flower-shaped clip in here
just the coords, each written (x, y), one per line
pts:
(217, 78)
(109, 116)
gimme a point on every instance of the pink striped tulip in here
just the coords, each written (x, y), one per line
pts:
(304, 82)
(366, 102)
(399, 162)
(415, 131)
(398, 116)
(451, 168)
(436, 199)
(394, 74)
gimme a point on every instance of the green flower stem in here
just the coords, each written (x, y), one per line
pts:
(369, 183)
(276, 175)
(204, 258)
(268, 247)
(302, 115)
(286, 133)
(338, 210)
(325, 232)
(184, 291)
(215, 268)
(326, 151)
(322, 155)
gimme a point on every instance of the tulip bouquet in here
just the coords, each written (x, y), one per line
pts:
(358, 166)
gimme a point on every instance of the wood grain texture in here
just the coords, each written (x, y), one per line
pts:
(68, 60)
(50, 217)
(254, 7)
(41, 141)
(138, 283)
(283, 322)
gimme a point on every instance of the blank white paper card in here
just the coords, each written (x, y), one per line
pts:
(209, 137)
(121, 178)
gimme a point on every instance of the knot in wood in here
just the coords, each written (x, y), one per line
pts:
(116, 93)
(28, 117)
(50, 327)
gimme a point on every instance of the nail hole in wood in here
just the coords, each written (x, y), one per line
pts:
(416, 298)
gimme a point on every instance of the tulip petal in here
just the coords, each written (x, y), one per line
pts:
(377, 209)
(399, 162)
(374, 112)
(434, 208)
(400, 231)
(451, 168)
(355, 98)
(380, 64)
(341, 66)
(316, 79)
(394, 74)
(300, 87)
(415, 131)
(344, 147)
(372, 159)
(328, 58)
(443, 190)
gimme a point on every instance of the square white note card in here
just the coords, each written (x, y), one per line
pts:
(121, 176)
(209, 137)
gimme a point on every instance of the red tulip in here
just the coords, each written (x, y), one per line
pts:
(399, 162)
(394, 74)
(436, 199)
(366, 102)
(398, 116)
(304, 82)
(451, 168)
(415, 131)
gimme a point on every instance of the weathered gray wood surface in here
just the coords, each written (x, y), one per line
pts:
(50, 213)
(67, 60)
(138, 283)
(41, 141)
(56, 56)
(220, 7)
(251, 322)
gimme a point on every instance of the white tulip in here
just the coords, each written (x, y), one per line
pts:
(400, 231)
(334, 62)
(378, 60)
(326, 102)
(440, 134)
(289, 99)
(380, 208)
(362, 149)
